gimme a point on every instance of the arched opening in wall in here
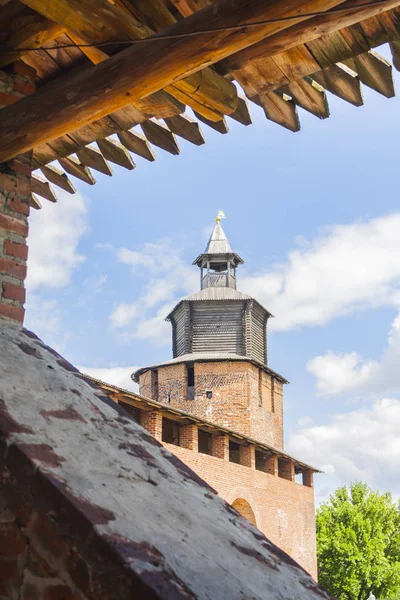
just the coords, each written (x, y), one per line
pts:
(244, 509)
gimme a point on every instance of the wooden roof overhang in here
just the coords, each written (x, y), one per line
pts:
(122, 396)
(105, 68)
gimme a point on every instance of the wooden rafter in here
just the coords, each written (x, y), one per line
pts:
(210, 94)
(298, 34)
(136, 72)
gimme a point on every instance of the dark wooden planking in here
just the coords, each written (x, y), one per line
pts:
(73, 167)
(43, 189)
(116, 153)
(136, 143)
(92, 92)
(159, 135)
(94, 159)
(58, 178)
(186, 128)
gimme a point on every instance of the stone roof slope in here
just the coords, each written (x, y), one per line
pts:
(134, 521)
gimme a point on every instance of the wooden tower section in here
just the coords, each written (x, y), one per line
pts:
(219, 369)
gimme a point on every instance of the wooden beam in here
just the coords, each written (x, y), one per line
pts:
(136, 143)
(35, 202)
(23, 28)
(341, 83)
(242, 113)
(309, 95)
(186, 128)
(159, 135)
(58, 178)
(78, 170)
(208, 92)
(140, 70)
(116, 153)
(220, 126)
(94, 159)
(298, 34)
(373, 71)
(280, 110)
(43, 189)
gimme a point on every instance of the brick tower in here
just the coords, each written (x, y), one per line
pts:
(219, 370)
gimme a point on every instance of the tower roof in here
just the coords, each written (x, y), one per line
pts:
(218, 242)
(218, 246)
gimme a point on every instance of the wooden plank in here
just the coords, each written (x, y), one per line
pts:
(43, 189)
(213, 93)
(159, 105)
(74, 168)
(280, 111)
(94, 159)
(159, 135)
(395, 50)
(116, 153)
(330, 49)
(186, 128)
(242, 113)
(136, 143)
(35, 202)
(89, 93)
(298, 34)
(310, 96)
(220, 126)
(341, 83)
(20, 27)
(44, 154)
(58, 178)
(374, 71)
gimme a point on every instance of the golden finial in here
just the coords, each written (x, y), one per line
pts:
(220, 215)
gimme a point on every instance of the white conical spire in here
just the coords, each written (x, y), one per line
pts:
(218, 242)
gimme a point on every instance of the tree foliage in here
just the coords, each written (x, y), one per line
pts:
(358, 544)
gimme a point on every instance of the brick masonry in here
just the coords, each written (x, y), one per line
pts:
(247, 400)
(15, 196)
(244, 397)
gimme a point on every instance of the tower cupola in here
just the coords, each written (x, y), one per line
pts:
(218, 262)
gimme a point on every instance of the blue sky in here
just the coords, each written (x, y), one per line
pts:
(316, 217)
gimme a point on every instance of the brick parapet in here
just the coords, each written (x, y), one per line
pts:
(15, 196)
(152, 421)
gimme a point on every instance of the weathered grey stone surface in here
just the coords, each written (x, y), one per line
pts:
(122, 498)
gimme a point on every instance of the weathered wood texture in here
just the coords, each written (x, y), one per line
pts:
(137, 72)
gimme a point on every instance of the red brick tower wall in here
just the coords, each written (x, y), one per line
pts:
(244, 397)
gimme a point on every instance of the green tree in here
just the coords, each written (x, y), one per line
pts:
(358, 544)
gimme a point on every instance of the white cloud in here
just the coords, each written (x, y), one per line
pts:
(119, 376)
(44, 317)
(345, 269)
(53, 240)
(54, 234)
(167, 278)
(361, 444)
(337, 373)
